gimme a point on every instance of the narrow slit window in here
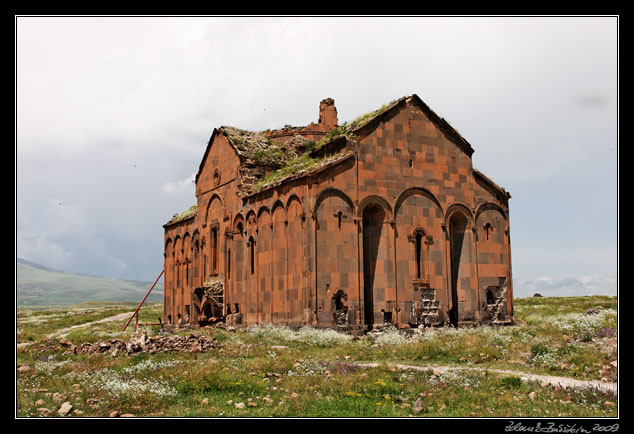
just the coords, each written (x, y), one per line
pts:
(229, 264)
(339, 217)
(252, 254)
(214, 250)
(419, 255)
(487, 228)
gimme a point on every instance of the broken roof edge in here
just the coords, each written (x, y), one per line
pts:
(351, 128)
(225, 131)
(328, 162)
(189, 213)
(492, 184)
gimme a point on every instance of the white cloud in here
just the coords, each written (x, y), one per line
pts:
(557, 262)
(180, 187)
(567, 286)
(97, 95)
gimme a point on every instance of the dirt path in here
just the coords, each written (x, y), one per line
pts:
(564, 382)
(63, 332)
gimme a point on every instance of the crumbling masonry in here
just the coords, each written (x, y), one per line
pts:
(382, 220)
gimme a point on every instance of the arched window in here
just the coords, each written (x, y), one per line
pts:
(420, 241)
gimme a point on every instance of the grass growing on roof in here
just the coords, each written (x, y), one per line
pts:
(294, 166)
(189, 212)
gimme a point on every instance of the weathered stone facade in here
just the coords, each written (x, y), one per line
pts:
(382, 220)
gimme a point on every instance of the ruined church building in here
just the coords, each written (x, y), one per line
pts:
(382, 220)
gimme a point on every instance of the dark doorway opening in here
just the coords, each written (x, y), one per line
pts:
(457, 228)
(373, 218)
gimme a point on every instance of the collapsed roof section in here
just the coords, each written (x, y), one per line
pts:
(271, 157)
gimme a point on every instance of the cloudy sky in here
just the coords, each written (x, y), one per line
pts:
(113, 115)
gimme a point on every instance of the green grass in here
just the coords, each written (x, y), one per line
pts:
(269, 371)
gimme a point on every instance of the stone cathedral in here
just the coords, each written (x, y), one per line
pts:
(379, 221)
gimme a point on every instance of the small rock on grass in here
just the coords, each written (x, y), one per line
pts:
(44, 412)
(65, 409)
(24, 369)
(417, 407)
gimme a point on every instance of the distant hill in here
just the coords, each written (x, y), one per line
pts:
(40, 286)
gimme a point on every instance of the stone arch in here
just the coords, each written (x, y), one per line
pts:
(251, 215)
(296, 261)
(238, 220)
(250, 222)
(215, 203)
(262, 210)
(376, 200)
(462, 276)
(294, 197)
(487, 206)
(415, 190)
(458, 207)
(335, 254)
(377, 259)
(493, 260)
(278, 204)
(196, 246)
(331, 191)
(177, 246)
(169, 244)
(278, 253)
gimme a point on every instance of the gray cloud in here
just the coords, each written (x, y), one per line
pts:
(97, 96)
(566, 287)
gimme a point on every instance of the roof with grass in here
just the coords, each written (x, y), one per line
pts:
(266, 163)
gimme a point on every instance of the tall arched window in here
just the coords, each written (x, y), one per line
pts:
(419, 254)
(252, 254)
(419, 240)
(214, 249)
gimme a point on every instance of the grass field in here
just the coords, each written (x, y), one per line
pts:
(267, 371)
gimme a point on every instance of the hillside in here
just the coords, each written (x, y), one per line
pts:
(40, 286)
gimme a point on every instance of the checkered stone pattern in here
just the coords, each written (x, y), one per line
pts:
(403, 224)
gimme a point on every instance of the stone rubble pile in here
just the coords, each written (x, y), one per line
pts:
(141, 342)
